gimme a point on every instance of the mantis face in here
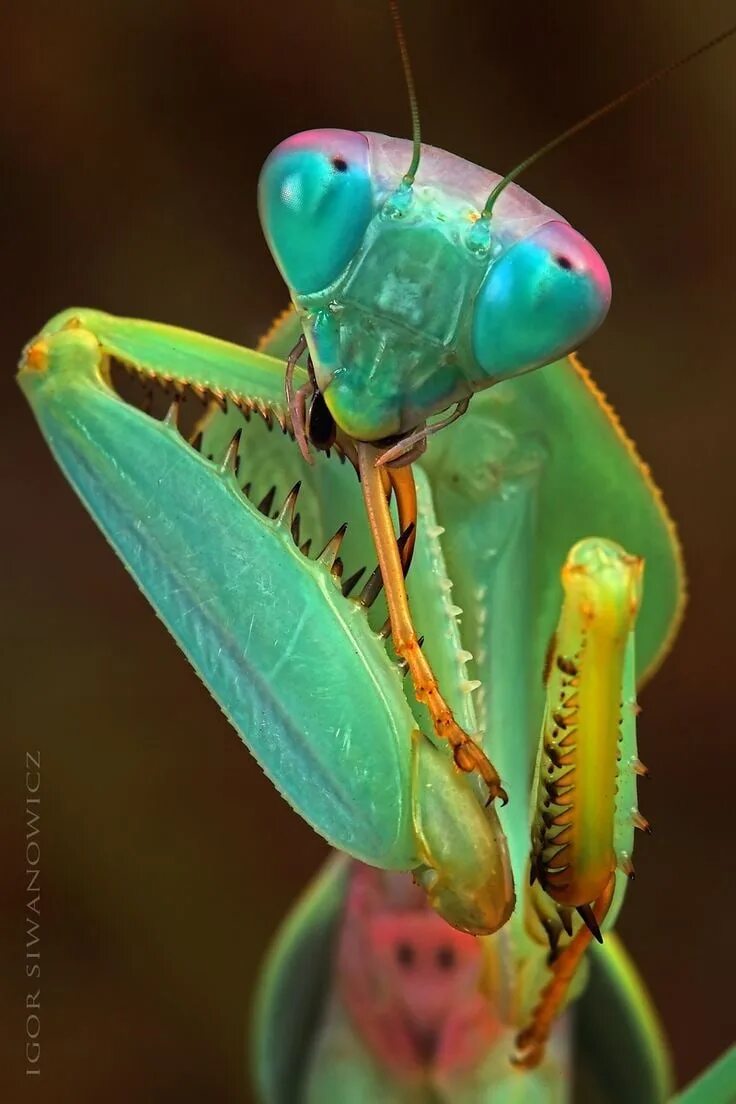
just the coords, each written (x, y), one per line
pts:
(408, 301)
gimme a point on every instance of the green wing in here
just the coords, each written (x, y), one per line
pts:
(621, 1053)
(716, 1086)
(592, 483)
(291, 996)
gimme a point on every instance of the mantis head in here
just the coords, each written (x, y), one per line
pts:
(410, 297)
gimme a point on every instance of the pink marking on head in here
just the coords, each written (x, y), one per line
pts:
(347, 145)
(409, 981)
(571, 250)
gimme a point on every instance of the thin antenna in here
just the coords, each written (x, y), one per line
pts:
(654, 78)
(406, 64)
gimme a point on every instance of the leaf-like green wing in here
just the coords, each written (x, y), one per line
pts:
(716, 1086)
(592, 483)
(621, 1052)
(292, 992)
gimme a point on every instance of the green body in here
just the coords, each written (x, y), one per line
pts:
(298, 668)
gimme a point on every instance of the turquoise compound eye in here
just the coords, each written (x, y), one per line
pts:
(539, 301)
(315, 200)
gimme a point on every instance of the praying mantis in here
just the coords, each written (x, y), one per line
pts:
(315, 694)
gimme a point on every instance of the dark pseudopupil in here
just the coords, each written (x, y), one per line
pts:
(563, 262)
(340, 164)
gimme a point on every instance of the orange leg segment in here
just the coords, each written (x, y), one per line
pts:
(402, 483)
(468, 756)
(530, 1042)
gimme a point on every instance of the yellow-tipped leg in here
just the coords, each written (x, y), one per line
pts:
(468, 756)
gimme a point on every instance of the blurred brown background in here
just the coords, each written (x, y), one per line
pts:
(131, 138)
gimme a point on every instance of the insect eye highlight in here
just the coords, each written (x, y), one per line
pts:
(539, 300)
(315, 198)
